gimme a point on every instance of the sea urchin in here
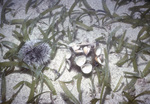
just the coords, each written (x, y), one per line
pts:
(35, 53)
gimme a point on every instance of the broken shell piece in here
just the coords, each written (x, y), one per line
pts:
(98, 59)
(68, 54)
(78, 51)
(101, 57)
(80, 60)
(74, 46)
(68, 64)
(87, 49)
(87, 68)
(98, 51)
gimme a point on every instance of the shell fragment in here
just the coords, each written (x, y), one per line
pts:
(80, 60)
(68, 54)
(87, 68)
(78, 51)
(98, 51)
(68, 64)
(74, 46)
(86, 50)
(99, 59)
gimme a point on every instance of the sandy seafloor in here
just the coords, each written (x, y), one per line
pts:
(82, 36)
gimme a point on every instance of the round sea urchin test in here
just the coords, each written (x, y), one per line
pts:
(35, 53)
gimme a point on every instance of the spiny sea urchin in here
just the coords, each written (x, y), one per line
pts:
(35, 53)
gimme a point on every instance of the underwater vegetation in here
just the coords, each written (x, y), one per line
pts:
(32, 56)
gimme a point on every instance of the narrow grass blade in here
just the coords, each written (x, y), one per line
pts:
(38, 71)
(120, 43)
(106, 68)
(49, 84)
(143, 93)
(101, 94)
(60, 67)
(24, 30)
(94, 101)
(51, 29)
(16, 21)
(79, 86)
(146, 70)
(29, 3)
(99, 76)
(36, 3)
(109, 40)
(11, 53)
(116, 4)
(32, 90)
(145, 36)
(2, 36)
(68, 93)
(3, 87)
(118, 84)
(72, 7)
(13, 96)
(93, 86)
(33, 99)
(3, 12)
(43, 33)
(1, 49)
(101, 38)
(143, 57)
(121, 3)
(142, 31)
(130, 84)
(82, 25)
(122, 60)
(130, 46)
(53, 52)
(132, 74)
(9, 44)
(135, 65)
(128, 96)
(69, 35)
(32, 23)
(63, 16)
(18, 36)
(28, 84)
(18, 85)
(86, 4)
(106, 8)
(84, 14)
(79, 79)
(8, 64)
(49, 10)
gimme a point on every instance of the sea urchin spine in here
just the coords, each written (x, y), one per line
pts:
(34, 52)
